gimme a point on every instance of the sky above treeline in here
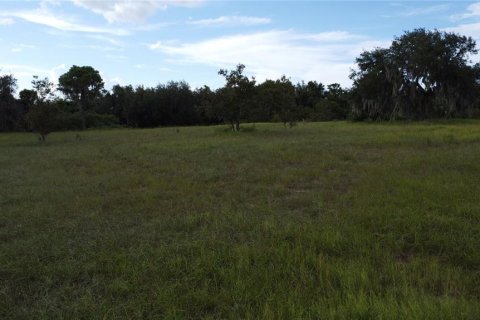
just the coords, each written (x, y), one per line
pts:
(147, 42)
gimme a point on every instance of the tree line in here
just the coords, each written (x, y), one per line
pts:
(82, 102)
(422, 75)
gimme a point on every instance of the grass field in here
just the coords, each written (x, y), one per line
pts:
(325, 221)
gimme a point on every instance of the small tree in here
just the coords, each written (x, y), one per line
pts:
(42, 116)
(238, 96)
(43, 119)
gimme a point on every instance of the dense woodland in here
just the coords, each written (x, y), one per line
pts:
(422, 75)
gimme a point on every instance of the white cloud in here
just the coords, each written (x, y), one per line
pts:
(101, 48)
(109, 40)
(468, 29)
(44, 17)
(116, 57)
(332, 36)
(473, 11)
(6, 21)
(110, 81)
(133, 11)
(267, 55)
(426, 10)
(471, 29)
(231, 21)
(21, 47)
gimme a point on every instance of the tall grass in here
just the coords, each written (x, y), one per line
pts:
(323, 221)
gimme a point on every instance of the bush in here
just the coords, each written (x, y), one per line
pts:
(95, 120)
(73, 121)
(43, 119)
(70, 121)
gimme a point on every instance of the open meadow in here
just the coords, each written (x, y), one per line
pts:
(333, 220)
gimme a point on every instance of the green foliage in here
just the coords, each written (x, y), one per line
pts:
(43, 119)
(28, 98)
(238, 97)
(82, 85)
(10, 111)
(205, 105)
(277, 99)
(95, 120)
(424, 74)
(307, 95)
(333, 106)
(327, 221)
(74, 121)
(43, 88)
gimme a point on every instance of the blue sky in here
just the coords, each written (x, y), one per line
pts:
(154, 41)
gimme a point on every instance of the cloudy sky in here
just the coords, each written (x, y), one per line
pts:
(154, 41)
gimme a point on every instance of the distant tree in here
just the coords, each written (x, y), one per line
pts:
(238, 96)
(335, 106)
(285, 105)
(307, 95)
(122, 103)
(204, 105)
(267, 98)
(28, 98)
(44, 89)
(81, 85)
(178, 104)
(10, 113)
(277, 99)
(42, 116)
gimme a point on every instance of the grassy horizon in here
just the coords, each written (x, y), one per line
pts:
(323, 221)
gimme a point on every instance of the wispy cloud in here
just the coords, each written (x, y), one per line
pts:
(473, 11)
(44, 17)
(22, 47)
(130, 11)
(100, 48)
(471, 29)
(231, 21)
(273, 53)
(109, 40)
(116, 57)
(426, 10)
(6, 21)
(467, 29)
(332, 36)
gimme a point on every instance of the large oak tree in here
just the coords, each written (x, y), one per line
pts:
(423, 74)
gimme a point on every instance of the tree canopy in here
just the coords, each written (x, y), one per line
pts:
(238, 96)
(81, 85)
(423, 74)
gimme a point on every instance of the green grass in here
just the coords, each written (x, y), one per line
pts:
(324, 221)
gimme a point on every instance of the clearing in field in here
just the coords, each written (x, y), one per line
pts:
(326, 220)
